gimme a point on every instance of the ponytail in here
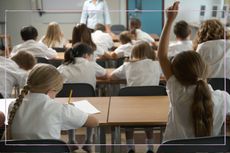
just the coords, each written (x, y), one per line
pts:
(69, 57)
(14, 109)
(202, 110)
(134, 24)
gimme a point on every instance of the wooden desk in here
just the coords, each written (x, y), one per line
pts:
(141, 110)
(101, 103)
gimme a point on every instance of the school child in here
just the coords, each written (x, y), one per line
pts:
(196, 110)
(102, 39)
(210, 42)
(135, 29)
(139, 71)
(124, 50)
(182, 32)
(29, 35)
(78, 68)
(14, 72)
(2, 123)
(36, 115)
(54, 37)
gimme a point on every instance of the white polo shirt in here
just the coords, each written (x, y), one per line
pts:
(179, 124)
(40, 117)
(179, 46)
(141, 35)
(83, 71)
(93, 14)
(218, 59)
(124, 50)
(37, 49)
(11, 75)
(140, 73)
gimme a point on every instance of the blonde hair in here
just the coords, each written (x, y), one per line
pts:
(25, 60)
(209, 30)
(191, 64)
(125, 37)
(141, 50)
(53, 34)
(41, 79)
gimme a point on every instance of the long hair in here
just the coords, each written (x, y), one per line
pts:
(41, 79)
(78, 50)
(53, 34)
(141, 50)
(189, 69)
(209, 30)
(82, 34)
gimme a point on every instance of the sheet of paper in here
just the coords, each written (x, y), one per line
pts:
(86, 107)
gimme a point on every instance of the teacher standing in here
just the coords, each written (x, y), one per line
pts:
(96, 11)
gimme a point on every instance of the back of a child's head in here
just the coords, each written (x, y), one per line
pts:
(81, 33)
(211, 29)
(28, 33)
(125, 37)
(100, 27)
(191, 70)
(182, 30)
(25, 60)
(42, 79)
(134, 24)
(53, 34)
(78, 50)
(141, 50)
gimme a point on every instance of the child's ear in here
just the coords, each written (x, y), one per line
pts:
(52, 93)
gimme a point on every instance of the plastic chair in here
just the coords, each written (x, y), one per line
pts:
(204, 144)
(218, 83)
(117, 28)
(78, 90)
(55, 62)
(143, 91)
(29, 146)
(58, 49)
(42, 60)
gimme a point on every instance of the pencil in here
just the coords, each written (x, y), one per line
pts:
(70, 96)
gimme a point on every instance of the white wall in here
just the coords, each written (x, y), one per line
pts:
(18, 19)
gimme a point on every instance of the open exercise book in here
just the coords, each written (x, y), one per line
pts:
(86, 107)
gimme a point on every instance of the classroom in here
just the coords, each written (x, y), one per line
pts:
(115, 76)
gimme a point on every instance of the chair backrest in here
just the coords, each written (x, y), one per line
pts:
(117, 28)
(42, 60)
(219, 83)
(1, 96)
(205, 144)
(78, 90)
(143, 91)
(55, 62)
(58, 49)
(29, 146)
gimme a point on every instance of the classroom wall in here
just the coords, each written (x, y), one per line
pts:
(17, 19)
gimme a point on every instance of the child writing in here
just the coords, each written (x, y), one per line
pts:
(213, 44)
(139, 71)
(183, 42)
(54, 37)
(196, 110)
(37, 97)
(29, 36)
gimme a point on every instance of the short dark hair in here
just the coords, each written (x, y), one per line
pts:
(182, 29)
(29, 32)
(100, 26)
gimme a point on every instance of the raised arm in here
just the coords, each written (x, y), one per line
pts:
(164, 41)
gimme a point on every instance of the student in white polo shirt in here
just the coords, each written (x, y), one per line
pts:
(211, 43)
(38, 49)
(36, 115)
(139, 71)
(183, 42)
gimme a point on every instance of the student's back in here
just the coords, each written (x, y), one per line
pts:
(29, 35)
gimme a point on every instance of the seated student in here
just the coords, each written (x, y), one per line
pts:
(54, 37)
(214, 48)
(140, 71)
(36, 115)
(29, 35)
(102, 39)
(135, 29)
(124, 50)
(183, 42)
(78, 68)
(196, 109)
(2, 123)
(16, 72)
